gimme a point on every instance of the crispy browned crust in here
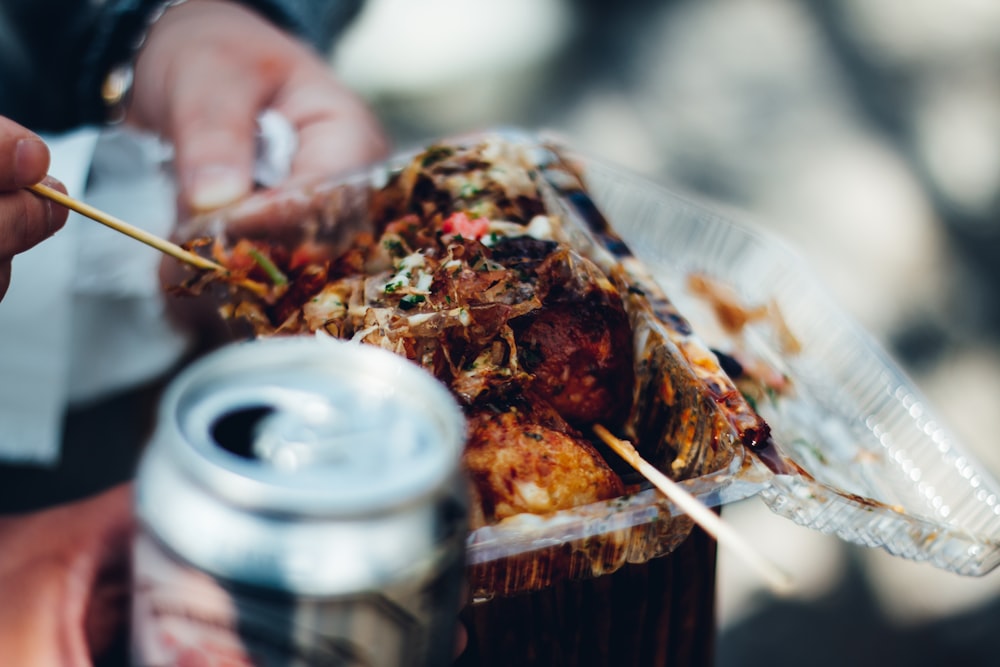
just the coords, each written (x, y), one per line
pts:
(518, 465)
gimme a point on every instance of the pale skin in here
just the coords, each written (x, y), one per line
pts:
(206, 97)
(64, 581)
(206, 71)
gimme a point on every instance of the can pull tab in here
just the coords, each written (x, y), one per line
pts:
(289, 442)
(297, 431)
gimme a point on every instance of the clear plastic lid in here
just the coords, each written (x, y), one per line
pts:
(878, 468)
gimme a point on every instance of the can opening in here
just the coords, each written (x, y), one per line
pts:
(236, 431)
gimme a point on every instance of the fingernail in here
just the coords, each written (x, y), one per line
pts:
(31, 159)
(213, 187)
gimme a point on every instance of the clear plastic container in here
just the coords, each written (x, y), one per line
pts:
(869, 461)
(883, 470)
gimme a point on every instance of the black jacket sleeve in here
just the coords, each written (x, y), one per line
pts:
(55, 54)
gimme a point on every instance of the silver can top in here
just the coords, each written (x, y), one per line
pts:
(311, 426)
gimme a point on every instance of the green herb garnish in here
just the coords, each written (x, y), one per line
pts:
(272, 271)
(394, 247)
(411, 300)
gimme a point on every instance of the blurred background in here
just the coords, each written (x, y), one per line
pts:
(866, 134)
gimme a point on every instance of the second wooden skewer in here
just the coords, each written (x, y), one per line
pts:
(138, 234)
(712, 524)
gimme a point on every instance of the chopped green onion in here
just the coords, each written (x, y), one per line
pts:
(411, 300)
(272, 271)
(394, 247)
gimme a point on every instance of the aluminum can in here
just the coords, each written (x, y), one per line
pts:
(301, 502)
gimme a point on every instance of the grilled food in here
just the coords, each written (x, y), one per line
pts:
(486, 264)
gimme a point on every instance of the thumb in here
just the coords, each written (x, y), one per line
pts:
(214, 151)
(195, 88)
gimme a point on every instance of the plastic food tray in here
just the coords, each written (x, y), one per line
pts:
(879, 468)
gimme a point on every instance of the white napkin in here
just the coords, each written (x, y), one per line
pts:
(121, 335)
(35, 324)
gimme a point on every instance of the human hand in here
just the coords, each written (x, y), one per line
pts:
(209, 68)
(25, 219)
(64, 591)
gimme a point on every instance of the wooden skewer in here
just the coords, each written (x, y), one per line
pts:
(779, 581)
(142, 235)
